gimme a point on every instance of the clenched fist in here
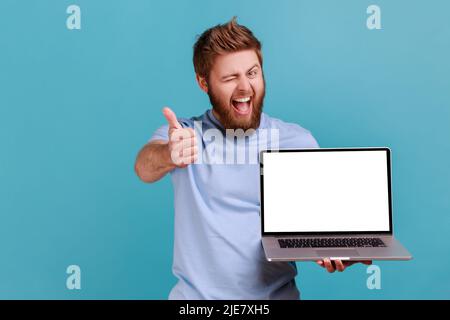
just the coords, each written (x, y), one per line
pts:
(182, 141)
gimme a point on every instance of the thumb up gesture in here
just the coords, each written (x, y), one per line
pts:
(182, 141)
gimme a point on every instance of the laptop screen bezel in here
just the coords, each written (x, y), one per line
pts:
(388, 159)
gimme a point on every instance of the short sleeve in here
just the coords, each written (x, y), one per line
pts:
(294, 136)
(162, 133)
(313, 141)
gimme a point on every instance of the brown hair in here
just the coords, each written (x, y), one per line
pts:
(221, 39)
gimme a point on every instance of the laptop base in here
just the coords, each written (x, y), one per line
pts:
(392, 251)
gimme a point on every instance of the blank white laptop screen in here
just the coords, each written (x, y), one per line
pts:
(326, 191)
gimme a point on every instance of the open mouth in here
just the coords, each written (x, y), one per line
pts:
(242, 106)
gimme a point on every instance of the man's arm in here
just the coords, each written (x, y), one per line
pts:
(154, 161)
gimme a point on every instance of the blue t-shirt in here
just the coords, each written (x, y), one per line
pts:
(217, 241)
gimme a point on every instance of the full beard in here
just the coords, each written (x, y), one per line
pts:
(227, 118)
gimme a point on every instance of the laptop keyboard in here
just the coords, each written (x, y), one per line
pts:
(331, 243)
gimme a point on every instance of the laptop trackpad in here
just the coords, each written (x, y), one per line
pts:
(338, 253)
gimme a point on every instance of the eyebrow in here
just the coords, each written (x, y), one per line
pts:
(236, 74)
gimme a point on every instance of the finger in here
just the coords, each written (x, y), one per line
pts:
(189, 157)
(188, 133)
(187, 152)
(182, 134)
(350, 263)
(339, 265)
(178, 154)
(189, 142)
(320, 263)
(329, 265)
(188, 160)
(171, 118)
(179, 146)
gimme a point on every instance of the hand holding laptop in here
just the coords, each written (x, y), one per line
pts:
(339, 265)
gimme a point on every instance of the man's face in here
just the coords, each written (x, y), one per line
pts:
(236, 89)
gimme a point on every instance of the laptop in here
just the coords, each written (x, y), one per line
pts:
(328, 203)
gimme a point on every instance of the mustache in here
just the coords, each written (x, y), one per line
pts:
(242, 95)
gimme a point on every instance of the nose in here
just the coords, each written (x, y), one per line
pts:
(244, 85)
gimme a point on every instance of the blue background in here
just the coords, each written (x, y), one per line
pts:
(77, 105)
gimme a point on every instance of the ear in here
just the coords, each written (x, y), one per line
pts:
(202, 83)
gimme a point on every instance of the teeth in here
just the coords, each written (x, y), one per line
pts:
(243, 99)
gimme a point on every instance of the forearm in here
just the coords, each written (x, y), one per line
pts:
(153, 162)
